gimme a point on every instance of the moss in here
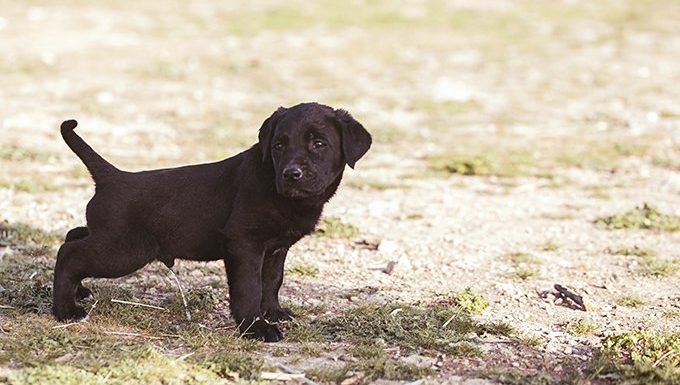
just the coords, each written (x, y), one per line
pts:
(639, 357)
(642, 217)
(471, 301)
(629, 301)
(581, 327)
(334, 228)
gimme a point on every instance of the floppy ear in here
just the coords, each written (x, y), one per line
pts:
(267, 131)
(355, 139)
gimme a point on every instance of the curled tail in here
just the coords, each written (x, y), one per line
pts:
(98, 167)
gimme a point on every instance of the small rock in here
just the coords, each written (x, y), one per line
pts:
(388, 247)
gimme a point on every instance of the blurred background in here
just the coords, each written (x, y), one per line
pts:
(502, 129)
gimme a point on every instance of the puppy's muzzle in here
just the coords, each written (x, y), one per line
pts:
(292, 173)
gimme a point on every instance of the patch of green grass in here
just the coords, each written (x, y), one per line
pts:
(471, 301)
(21, 235)
(629, 301)
(303, 270)
(145, 365)
(21, 154)
(531, 341)
(376, 185)
(639, 357)
(439, 327)
(631, 251)
(581, 327)
(659, 268)
(672, 313)
(334, 228)
(414, 216)
(511, 377)
(525, 264)
(642, 217)
(391, 369)
(333, 375)
(515, 157)
(479, 165)
(550, 246)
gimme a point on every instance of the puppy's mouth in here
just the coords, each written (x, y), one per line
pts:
(295, 191)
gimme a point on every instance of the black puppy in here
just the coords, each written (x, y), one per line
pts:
(247, 210)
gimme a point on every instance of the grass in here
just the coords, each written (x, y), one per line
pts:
(581, 327)
(333, 227)
(659, 268)
(649, 264)
(303, 270)
(631, 251)
(514, 157)
(629, 301)
(639, 357)
(525, 265)
(645, 217)
(376, 185)
(438, 327)
(550, 245)
(23, 235)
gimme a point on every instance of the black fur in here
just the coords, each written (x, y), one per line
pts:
(247, 210)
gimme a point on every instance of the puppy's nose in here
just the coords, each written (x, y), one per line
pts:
(292, 173)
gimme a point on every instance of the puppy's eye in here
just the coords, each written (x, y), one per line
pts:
(319, 143)
(278, 146)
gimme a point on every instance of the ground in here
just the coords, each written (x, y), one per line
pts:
(518, 145)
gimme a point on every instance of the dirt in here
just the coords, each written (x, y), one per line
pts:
(180, 82)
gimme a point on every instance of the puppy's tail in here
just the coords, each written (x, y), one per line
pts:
(98, 167)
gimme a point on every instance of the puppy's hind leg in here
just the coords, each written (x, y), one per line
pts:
(74, 234)
(67, 276)
(77, 233)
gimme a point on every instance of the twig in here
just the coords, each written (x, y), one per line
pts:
(448, 321)
(6, 307)
(137, 304)
(94, 305)
(568, 294)
(131, 335)
(278, 376)
(185, 356)
(668, 353)
(249, 326)
(64, 325)
(181, 292)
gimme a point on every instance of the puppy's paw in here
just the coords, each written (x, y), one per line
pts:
(82, 292)
(263, 331)
(74, 313)
(279, 314)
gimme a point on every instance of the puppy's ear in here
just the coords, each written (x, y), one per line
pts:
(267, 132)
(355, 139)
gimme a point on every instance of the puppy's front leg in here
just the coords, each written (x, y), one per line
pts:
(272, 277)
(244, 272)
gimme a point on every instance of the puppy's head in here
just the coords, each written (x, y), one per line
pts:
(308, 146)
